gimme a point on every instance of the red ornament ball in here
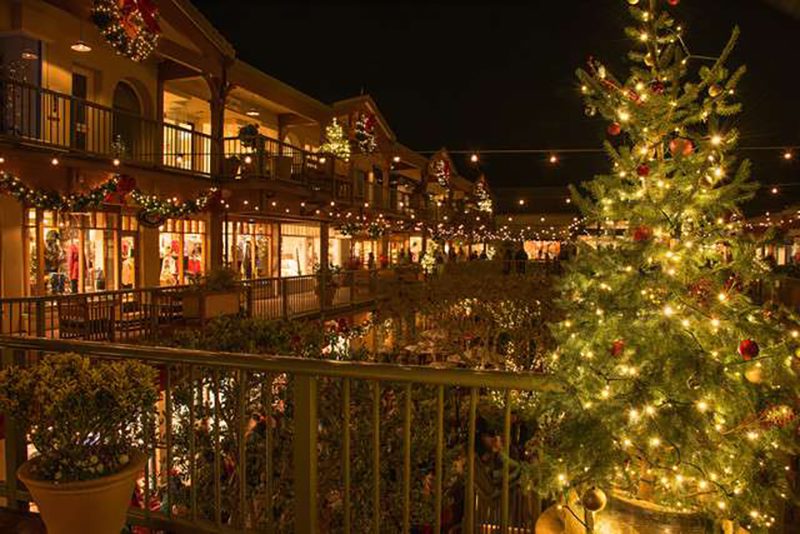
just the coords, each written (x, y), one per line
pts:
(642, 233)
(643, 170)
(614, 129)
(673, 2)
(748, 349)
(657, 87)
(617, 347)
(679, 147)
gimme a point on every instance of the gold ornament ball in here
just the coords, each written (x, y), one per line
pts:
(594, 499)
(754, 374)
(649, 61)
(714, 91)
(633, 2)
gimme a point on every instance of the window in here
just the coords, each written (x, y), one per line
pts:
(300, 249)
(182, 251)
(249, 248)
(78, 251)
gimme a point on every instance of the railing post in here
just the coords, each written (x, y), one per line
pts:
(305, 454)
(40, 320)
(284, 299)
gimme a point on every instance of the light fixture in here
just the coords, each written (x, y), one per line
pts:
(522, 202)
(81, 46)
(248, 160)
(116, 162)
(322, 159)
(553, 159)
(252, 113)
(29, 55)
(774, 190)
(54, 161)
(396, 159)
(788, 155)
(179, 159)
(474, 158)
(2, 160)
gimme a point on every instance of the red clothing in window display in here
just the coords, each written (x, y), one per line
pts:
(73, 257)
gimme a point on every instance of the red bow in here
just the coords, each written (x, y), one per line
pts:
(148, 11)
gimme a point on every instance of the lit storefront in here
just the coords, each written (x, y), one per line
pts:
(339, 249)
(399, 244)
(248, 248)
(542, 250)
(300, 249)
(70, 253)
(182, 250)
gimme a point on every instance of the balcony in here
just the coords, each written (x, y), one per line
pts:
(32, 115)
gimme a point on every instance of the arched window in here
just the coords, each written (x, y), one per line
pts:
(127, 121)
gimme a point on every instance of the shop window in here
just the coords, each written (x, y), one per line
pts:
(78, 251)
(300, 249)
(248, 247)
(129, 247)
(182, 247)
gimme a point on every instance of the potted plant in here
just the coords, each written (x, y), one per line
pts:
(85, 420)
(212, 295)
(330, 281)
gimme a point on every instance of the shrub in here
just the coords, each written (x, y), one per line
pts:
(83, 417)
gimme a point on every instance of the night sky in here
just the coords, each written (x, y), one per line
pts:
(493, 75)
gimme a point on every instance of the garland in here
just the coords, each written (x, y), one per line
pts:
(130, 26)
(52, 200)
(114, 190)
(373, 229)
(365, 133)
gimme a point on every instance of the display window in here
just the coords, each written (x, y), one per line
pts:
(398, 248)
(248, 248)
(366, 252)
(339, 249)
(300, 249)
(71, 253)
(415, 248)
(182, 251)
(542, 250)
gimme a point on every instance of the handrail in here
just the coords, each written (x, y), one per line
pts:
(417, 374)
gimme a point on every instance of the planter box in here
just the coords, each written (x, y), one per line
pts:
(205, 305)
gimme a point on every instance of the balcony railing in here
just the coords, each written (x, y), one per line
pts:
(135, 313)
(252, 442)
(35, 115)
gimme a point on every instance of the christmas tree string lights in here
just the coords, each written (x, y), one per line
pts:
(336, 142)
(681, 390)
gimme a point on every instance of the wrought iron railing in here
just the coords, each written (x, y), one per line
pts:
(37, 115)
(134, 313)
(277, 444)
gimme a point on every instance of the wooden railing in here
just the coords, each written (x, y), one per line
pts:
(134, 313)
(278, 444)
(36, 115)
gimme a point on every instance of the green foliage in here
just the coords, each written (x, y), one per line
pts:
(83, 417)
(659, 402)
(216, 281)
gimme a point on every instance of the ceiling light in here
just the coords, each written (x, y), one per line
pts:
(252, 113)
(81, 46)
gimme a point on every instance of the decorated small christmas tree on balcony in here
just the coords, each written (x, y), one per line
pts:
(336, 141)
(680, 389)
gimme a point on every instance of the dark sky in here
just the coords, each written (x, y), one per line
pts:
(495, 75)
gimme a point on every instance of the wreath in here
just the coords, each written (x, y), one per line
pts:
(130, 26)
(365, 133)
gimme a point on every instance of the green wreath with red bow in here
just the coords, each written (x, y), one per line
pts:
(130, 26)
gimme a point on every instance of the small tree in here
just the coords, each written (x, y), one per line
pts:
(680, 388)
(336, 142)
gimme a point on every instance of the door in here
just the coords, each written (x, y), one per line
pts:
(79, 112)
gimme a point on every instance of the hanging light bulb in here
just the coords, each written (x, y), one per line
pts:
(116, 162)
(474, 158)
(553, 159)
(788, 155)
(54, 161)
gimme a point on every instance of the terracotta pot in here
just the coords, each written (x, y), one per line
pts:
(623, 515)
(90, 507)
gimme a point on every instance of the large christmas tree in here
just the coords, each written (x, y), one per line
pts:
(681, 389)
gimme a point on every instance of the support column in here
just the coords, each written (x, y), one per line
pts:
(219, 92)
